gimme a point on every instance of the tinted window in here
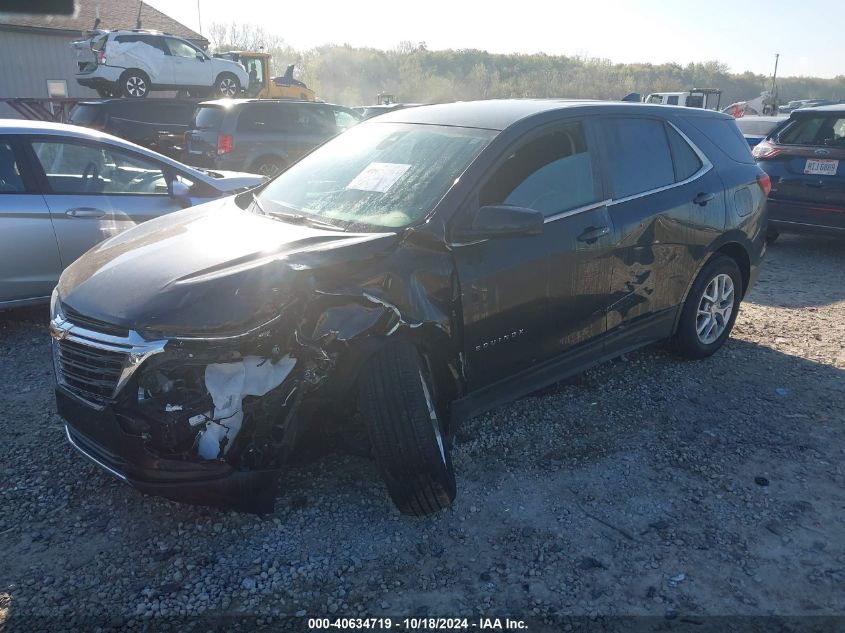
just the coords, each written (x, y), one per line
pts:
(817, 130)
(725, 135)
(208, 118)
(76, 168)
(551, 174)
(10, 174)
(639, 158)
(264, 118)
(673, 100)
(85, 114)
(685, 159)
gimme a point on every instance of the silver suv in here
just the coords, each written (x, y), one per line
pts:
(133, 63)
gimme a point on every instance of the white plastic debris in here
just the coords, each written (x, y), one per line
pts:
(228, 384)
(676, 579)
(170, 408)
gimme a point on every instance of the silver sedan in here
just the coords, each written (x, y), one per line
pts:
(64, 189)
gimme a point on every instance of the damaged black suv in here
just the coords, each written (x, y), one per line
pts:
(422, 267)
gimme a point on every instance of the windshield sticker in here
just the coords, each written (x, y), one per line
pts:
(378, 177)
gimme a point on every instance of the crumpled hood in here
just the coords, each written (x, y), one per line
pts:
(213, 269)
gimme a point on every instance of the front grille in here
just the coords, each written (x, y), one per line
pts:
(93, 324)
(94, 364)
(89, 372)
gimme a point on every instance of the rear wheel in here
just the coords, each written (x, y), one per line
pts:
(710, 310)
(134, 84)
(406, 430)
(227, 86)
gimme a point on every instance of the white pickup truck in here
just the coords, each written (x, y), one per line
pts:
(708, 98)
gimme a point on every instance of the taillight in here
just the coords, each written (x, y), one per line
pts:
(224, 144)
(765, 150)
(765, 183)
(101, 55)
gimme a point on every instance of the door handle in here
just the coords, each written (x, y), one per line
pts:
(593, 233)
(703, 198)
(85, 212)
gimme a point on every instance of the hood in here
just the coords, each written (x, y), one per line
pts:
(211, 270)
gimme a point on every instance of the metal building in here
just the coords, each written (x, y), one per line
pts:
(37, 60)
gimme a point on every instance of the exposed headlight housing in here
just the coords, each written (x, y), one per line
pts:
(56, 311)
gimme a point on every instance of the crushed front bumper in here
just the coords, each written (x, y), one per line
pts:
(98, 435)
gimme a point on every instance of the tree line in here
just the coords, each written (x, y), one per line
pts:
(414, 74)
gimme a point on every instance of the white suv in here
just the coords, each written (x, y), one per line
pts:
(132, 63)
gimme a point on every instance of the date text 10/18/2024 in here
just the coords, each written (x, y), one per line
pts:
(418, 624)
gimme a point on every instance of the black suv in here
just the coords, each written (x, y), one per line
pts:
(423, 267)
(158, 124)
(261, 136)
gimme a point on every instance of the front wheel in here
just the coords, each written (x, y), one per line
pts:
(406, 430)
(710, 309)
(227, 86)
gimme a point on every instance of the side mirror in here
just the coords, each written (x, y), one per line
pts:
(201, 57)
(501, 220)
(180, 192)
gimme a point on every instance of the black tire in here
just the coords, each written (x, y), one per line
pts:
(268, 166)
(134, 84)
(687, 342)
(771, 235)
(406, 434)
(227, 86)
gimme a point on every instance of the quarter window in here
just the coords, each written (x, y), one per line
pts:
(638, 156)
(74, 168)
(551, 174)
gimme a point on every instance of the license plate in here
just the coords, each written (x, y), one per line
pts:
(821, 166)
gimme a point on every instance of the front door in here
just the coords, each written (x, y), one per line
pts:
(95, 191)
(526, 300)
(29, 257)
(190, 66)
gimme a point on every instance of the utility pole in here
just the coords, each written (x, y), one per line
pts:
(774, 79)
(199, 17)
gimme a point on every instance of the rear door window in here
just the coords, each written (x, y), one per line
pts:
(208, 118)
(638, 155)
(551, 174)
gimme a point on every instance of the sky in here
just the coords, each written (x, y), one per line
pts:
(743, 34)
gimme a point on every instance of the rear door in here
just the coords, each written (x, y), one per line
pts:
(201, 138)
(812, 170)
(95, 191)
(29, 256)
(654, 176)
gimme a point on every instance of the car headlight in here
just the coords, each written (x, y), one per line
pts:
(56, 306)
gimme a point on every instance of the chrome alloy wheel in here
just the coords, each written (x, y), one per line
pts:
(136, 86)
(714, 309)
(228, 87)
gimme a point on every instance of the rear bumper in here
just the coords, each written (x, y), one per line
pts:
(806, 217)
(102, 77)
(98, 435)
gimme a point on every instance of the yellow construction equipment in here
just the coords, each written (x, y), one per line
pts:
(261, 85)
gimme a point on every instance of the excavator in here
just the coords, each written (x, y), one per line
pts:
(261, 85)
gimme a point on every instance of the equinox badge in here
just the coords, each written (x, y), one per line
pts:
(501, 339)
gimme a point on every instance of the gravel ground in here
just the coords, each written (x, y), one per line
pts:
(648, 486)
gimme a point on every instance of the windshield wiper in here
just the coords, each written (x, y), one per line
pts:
(298, 218)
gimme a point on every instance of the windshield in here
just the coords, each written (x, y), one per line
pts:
(377, 175)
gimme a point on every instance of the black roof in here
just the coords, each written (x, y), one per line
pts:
(497, 114)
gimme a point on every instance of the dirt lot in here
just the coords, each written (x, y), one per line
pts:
(649, 486)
